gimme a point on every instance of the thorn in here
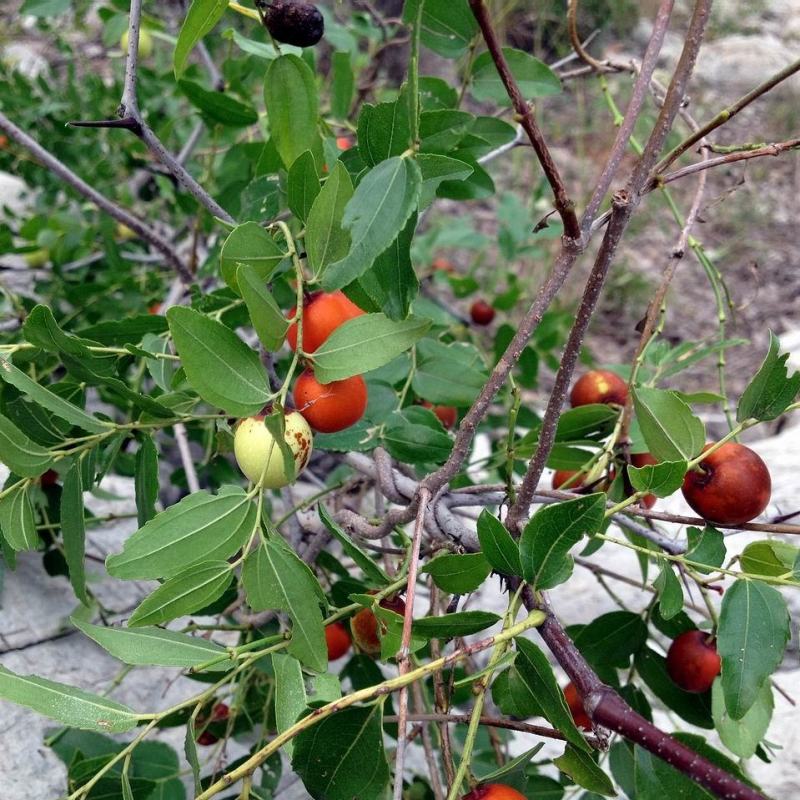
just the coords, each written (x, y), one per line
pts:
(128, 123)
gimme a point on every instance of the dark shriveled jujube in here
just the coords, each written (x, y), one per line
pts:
(300, 24)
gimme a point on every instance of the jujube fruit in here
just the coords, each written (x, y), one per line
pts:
(337, 639)
(600, 484)
(344, 142)
(447, 415)
(330, 407)
(300, 24)
(49, 478)
(730, 487)
(219, 713)
(481, 312)
(598, 386)
(494, 791)
(575, 703)
(693, 661)
(441, 264)
(364, 625)
(145, 43)
(259, 457)
(322, 314)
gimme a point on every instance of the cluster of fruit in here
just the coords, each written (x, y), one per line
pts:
(730, 486)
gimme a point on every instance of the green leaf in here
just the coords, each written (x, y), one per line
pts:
(365, 343)
(326, 239)
(671, 430)
(218, 107)
(552, 532)
(54, 403)
(662, 479)
(186, 592)
(450, 374)
(383, 130)
(415, 436)
(290, 694)
(534, 77)
(611, 639)
(535, 670)
(251, 245)
(458, 573)
(771, 558)
(498, 545)
(752, 635)
(73, 532)
(128, 330)
(201, 527)
(220, 367)
(16, 519)
(582, 768)
(351, 549)
(145, 480)
(290, 94)
(342, 85)
(437, 169)
(586, 422)
(275, 578)
(302, 186)
(376, 213)
(670, 593)
(742, 736)
(448, 626)
(440, 131)
(391, 282)
(772, 390)
(342, 757)
(655, 779)
(694, 708)
(153, 646)
(706, 546)
(201, 19)
(64, 703)
(19, 453)
(268, 320)
(448, 26)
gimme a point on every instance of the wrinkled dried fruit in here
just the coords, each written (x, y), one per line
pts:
(300, 24)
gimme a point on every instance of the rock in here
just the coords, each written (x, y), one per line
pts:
(732, 65)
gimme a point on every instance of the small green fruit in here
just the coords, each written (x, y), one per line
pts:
(145, 43)
(258, 455)
(37, 258)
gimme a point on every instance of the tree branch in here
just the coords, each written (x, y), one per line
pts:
(726, 114)
(111, 208)
(625, 203)
(527, 119)
(774, 149)
(605, 707)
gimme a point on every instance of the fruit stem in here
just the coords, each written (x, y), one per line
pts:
(244, 11)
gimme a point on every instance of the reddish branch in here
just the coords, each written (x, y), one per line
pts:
(605, 707)
(527, 119)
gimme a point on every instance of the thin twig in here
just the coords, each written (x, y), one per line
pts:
(726, 114)
(624, 204)
(496, 722)
(526, 118)
(774, 149)
(111, 208)
(404, 659)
